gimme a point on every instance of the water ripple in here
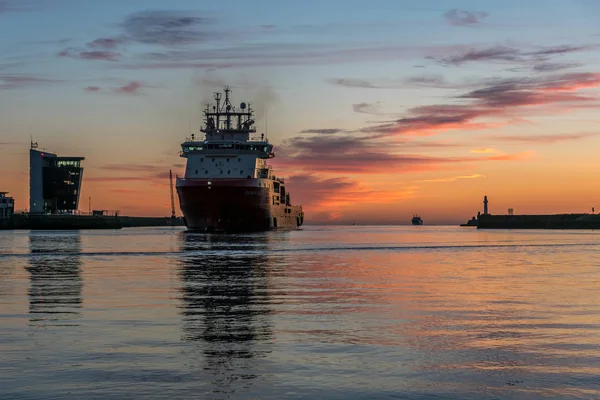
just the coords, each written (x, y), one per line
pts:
(336, 313)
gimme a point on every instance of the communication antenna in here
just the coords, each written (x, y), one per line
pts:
(267, 122)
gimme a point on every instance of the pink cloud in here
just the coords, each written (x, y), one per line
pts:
(91, 55)
(131, 88)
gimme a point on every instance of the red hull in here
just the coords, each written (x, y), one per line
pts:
(233, 205)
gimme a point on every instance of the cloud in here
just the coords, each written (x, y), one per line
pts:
(509, 54)
(323, 131)
(167, 28)
(455, 178)
(91, 55)
(274, 53)
(164, 28)
(429, 120)
(494, 103)
(496, 53)
(484, 150)
(458, 17)
(92, 89)
(320, 195)
(564, 49)
(19, 81)
(436, 81)
(7, 6)
(131, 88)
(349, 154)
(153, 173)
(553, 67)
(533, 91)
(546, 139)
(105, 43)
(364, 84)
(366, 108)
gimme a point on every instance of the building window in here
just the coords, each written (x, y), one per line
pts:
(241, 172)
(202, 160)
(229, 172)
(239, 159)
(196, 172)
(213, 160)
(206, 172)
(228, 160)
(221, 172)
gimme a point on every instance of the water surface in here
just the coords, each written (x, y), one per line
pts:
(326, 312)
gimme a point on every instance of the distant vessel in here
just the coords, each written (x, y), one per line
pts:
(416, 220)
(228, 185)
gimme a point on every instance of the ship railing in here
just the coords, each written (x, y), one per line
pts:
(100, 213)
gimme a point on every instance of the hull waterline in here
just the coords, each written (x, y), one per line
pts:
(233, 206)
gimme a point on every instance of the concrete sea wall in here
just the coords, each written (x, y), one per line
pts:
(542, 221)
(63, 222)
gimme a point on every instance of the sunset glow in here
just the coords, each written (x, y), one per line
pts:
(376, 113)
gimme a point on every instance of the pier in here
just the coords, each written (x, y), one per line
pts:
(75, 222)
(533, 221)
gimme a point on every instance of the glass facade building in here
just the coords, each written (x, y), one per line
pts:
(54, 183)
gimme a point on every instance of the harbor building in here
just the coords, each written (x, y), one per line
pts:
(7, 206)
(54, 182)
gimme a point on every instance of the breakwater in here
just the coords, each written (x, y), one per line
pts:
(541, 221)
(74, 222)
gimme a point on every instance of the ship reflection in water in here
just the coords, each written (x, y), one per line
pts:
(226, 307)
(55, 278)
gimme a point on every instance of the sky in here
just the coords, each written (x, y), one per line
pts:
(377, 110)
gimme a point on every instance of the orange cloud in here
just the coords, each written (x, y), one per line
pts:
(334, 154)
(483, 151)
(455, 178)
(326, 198)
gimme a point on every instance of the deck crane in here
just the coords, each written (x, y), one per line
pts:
(172, 195)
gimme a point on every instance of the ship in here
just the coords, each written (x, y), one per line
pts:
(416, 220)
(228, 185)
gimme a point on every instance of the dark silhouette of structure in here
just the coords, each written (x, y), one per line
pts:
(54, 182)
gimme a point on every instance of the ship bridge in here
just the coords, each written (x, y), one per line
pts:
(261, 149)
(227, 150)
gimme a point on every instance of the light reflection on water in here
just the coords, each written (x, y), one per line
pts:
(344, 313)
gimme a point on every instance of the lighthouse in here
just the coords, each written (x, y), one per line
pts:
(485, 207)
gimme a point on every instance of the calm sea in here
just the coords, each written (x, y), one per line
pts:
(323, 313)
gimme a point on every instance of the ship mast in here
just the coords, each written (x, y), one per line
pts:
(219, 118)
